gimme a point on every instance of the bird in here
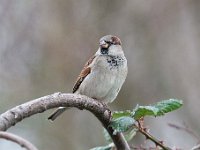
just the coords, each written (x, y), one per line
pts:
(103, 74)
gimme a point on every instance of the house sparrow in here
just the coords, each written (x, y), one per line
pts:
(103, 75)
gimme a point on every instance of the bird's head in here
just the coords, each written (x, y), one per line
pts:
(110, 45)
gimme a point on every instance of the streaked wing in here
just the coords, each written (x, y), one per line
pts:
(86, 70)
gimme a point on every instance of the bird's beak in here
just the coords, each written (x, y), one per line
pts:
(103, 44)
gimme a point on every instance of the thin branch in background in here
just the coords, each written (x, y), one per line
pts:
(186, 129)
(19, 140)
(197, 147)
(189, 131)
(18, 113)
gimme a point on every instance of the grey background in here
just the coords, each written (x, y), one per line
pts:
(44, 45)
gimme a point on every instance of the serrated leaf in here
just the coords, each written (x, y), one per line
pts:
(168, 106)
(142, 111)
(107, 147)
(117, 114)
(122, 124)
(158, 109)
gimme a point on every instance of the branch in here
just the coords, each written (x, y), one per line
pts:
(144, 131)
(14, 138)
(197, 147)
(186, 129)
(189, 131)
(18, 113)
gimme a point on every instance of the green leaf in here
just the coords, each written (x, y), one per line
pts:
(130, 134)
(107, 147)
(158, 109)
(168, 106)
(122, 124)
(117, 114)
(141, 111)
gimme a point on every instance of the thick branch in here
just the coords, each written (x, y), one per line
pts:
(19, 140)
(16, 114)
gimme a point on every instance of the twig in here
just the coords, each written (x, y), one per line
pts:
(18, 113)
(150, 137)
(189, 131)
(197, 147)
(186, 129)
(19, 140)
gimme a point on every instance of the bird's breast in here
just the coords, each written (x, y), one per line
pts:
(105, 79)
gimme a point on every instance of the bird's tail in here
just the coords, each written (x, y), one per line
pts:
(56, 113)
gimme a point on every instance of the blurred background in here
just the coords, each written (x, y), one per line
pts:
(44, 45)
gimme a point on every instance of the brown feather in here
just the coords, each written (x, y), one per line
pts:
(86, 70)
(116, 40)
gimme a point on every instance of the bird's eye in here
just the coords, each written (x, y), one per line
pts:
(109, 42)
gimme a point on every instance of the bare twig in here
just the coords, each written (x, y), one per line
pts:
(19, 140)
(18, 113)
(186, 129)
(144, 131)
(197, 147)
(189, 131)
